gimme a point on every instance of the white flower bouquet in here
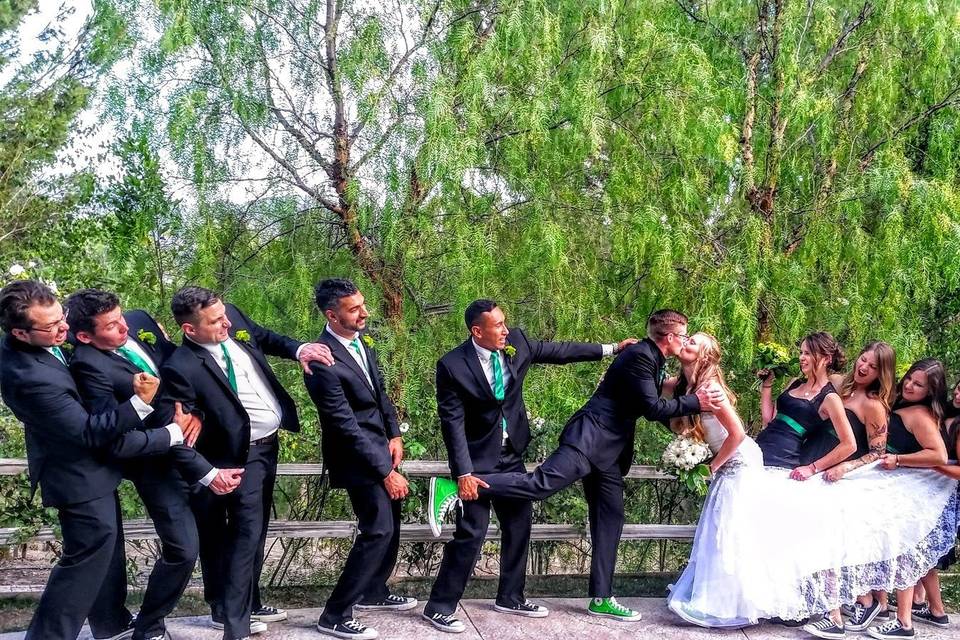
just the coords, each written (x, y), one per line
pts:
(684, 457)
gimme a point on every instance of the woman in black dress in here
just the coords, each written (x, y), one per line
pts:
(914, 440)
(808, 406)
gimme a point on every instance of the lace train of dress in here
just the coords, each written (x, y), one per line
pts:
(767, 546)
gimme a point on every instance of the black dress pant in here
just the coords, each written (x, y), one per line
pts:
(90, 580)
(460, 554)
(603, 489)
(166, 497)
(232, 531)
(372, 558)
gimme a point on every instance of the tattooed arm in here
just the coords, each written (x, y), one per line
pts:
(875, 418)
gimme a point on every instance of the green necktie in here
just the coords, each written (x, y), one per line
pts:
(498, 392)
(661, 376)
(355, 343)
(59, 354)
(231, 374)
(135, 358)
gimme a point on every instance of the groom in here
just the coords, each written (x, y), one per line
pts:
(597, 446)
(485, 428)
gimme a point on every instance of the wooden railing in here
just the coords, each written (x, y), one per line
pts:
(143, 529)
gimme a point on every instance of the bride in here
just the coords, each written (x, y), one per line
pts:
(767, 546)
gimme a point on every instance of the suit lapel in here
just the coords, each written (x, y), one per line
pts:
(211, 364)
(372, 368)
(511, 366)
(340, 354)
(473, 364)
(116, 358)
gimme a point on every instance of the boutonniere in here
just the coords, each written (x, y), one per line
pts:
(147, 337)
(243, 335)
(510, 350)
(367, 340)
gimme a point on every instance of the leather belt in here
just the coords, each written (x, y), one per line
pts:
(265, 440)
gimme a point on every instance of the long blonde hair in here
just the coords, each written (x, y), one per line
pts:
(884, 388)
(705, 370)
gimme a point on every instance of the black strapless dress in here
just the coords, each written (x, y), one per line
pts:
(797, 420)
(824, 442)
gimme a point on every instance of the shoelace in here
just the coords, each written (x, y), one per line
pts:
(825, 623)
(617, 606)
(445, 618)
(354, 626)
(448, 504)
(887, 627)
(922, 611)
(859, 613)
(395, 599)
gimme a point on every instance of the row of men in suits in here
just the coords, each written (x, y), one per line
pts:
(220, 476)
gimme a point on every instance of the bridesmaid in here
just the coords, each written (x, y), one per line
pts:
(914, 440)
(867, 392)
(807, 406)
(932, 611)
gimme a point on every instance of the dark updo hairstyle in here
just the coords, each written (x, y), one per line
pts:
(936, 386)
(823, 345)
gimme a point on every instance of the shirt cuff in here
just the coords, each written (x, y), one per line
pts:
(207, 479)
(465, 475)
(296, 356)
(609, 350)
(141, 407)
(176, 434)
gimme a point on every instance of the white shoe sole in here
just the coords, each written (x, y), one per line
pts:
(406, 606)
(256, 626)
(611, 616)
(443, 628)
(543, 612)
(123, 635)
(879, 636)
(686, 617)
(369, 634)
(434, 525)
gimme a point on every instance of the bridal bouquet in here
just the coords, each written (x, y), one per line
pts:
(776, 359)
(684, 457)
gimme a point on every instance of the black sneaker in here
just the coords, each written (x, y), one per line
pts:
(268, 614)
(826, 628)
(445, 622)
(126, 634)
(862, 616)
(526, 609)
(925, 615)
(350, 629)
(390, 603)
(890, 630)
(917, 606)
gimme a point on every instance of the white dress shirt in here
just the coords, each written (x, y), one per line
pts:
(176, 434)
(359, 358)
(253, 391)
(134, 346)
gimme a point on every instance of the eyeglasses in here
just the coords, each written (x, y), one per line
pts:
(684, 338)
(54, 326)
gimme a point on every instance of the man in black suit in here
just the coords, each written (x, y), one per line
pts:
(112, 347)
(485, 427)
(221, 372)
(597, 446)
(362, 448)
(64, 446)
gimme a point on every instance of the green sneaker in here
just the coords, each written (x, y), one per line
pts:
(610, 608)
(443, 496)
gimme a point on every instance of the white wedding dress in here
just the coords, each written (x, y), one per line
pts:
(768, 546)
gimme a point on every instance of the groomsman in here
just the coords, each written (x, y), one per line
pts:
(485, 427)
(221, 373)
(361, 450)
(112, 347)
(597, 446)
(64, 443)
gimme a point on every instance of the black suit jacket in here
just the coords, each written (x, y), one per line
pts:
(470, 415)
(357, 420)
(192, 377)
(604, 428)
(63, 438)
(105, 381)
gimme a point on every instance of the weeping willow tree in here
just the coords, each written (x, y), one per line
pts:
(771, 167)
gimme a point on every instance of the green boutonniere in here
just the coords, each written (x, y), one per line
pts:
(243, 335)
(367, 340)
(147, 337)
(510, 350)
